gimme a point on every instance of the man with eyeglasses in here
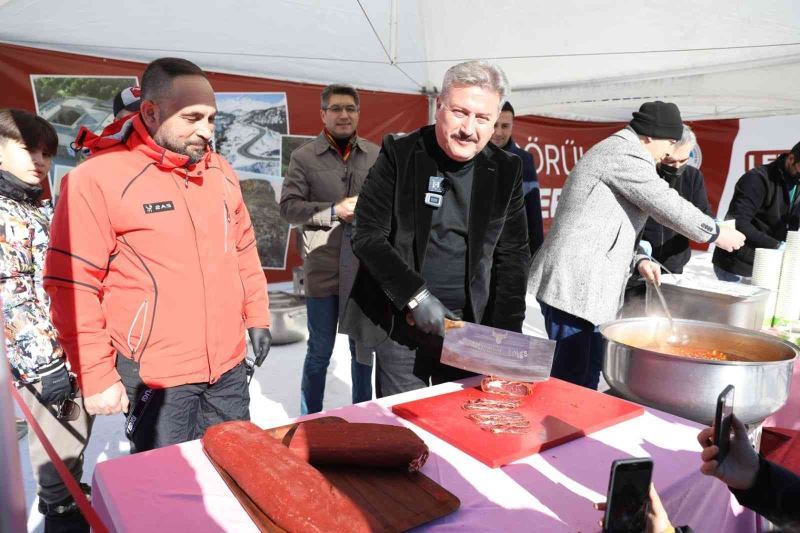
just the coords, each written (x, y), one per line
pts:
(319, 194)
(580, 272)
(765, 205)
(440, 231)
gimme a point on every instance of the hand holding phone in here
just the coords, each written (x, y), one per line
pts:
(722, 422)
(628, 496)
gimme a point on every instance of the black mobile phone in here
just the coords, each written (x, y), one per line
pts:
(137, 412)
(628, 496)
(722, 422)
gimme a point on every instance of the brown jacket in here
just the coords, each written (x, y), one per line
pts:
(316, 180)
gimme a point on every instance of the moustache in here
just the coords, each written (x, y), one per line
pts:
(464, 138)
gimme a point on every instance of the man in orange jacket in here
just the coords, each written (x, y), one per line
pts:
(153, 271)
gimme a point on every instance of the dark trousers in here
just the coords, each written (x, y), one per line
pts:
(322, 319)
(401, 369)
(579, 347)
(184, 412)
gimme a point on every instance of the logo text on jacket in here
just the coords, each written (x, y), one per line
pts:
(158, 207)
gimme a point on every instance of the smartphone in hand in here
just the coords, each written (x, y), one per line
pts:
(722, 422)
(628, 496)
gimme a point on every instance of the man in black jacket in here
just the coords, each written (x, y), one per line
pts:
(765, 205)
(440, 231)
(669, 247)
(503, 129)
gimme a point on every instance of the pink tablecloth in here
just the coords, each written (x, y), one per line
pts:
(177, 489)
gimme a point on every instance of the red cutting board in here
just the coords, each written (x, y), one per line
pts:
(559, 412)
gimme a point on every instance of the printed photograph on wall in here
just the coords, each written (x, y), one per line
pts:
(288, 145)
(248, 133)
(261, 196)
(248, 130)
(69, 102)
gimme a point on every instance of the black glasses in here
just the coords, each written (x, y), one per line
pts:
(336, 109)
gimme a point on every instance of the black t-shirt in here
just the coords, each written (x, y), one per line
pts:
(445, 265)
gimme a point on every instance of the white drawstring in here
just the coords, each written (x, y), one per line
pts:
(133, 323)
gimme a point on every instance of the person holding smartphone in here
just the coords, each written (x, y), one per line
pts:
(758, 484)
(38, 364)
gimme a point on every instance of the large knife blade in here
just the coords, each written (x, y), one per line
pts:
(497, 352)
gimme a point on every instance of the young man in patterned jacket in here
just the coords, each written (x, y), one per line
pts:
(38, 364)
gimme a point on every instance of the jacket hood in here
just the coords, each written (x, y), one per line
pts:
(131, 132)
(89, 142)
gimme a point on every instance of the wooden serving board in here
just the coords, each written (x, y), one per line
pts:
(392, 500)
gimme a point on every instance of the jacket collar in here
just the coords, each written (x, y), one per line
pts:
(141, 141)
(16, 189)
(628, 134)
(484, 183)
(321, 144)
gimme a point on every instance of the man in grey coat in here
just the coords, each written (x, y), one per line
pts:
(319, 193)
(579, 273)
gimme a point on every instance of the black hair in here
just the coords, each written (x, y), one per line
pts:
(158, 76)
(29, 129)
(508, 107)
(795, 151)
(338, 88)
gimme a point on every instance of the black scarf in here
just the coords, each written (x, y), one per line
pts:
(16, 189)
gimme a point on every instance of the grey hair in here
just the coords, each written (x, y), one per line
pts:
(477, 74)
(687, 137)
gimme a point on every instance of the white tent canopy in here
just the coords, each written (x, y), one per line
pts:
(587, 59)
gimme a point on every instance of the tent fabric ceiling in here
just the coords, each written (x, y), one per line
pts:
(577, 59)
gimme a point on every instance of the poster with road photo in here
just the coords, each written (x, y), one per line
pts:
(69, 102)
(248, 134)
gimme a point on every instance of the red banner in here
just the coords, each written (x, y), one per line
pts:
(381, 112)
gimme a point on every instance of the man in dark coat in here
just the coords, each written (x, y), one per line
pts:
(440, 231)
(765, 205)
(503, 129)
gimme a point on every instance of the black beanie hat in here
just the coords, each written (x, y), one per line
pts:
(659, 120)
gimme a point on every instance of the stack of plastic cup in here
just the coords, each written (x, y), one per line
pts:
(787, 306)
(766, 274)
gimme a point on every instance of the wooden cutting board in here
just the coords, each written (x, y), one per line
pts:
(558, 412)
(392, 500)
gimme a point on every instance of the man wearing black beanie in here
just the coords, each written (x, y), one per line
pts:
(580, 272)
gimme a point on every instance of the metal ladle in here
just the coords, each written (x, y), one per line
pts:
(676, 338)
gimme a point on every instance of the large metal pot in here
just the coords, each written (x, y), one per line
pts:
(723, 302)
(687, 387)
(289, 317)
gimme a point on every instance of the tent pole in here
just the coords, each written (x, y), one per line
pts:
(431, 105)
(12, 490)
(393, 33)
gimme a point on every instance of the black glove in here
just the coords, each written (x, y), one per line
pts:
(429, 316)
(262, 340)
(56, 387)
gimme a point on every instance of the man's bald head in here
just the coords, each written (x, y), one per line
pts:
(159, 75)
(178, 106)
